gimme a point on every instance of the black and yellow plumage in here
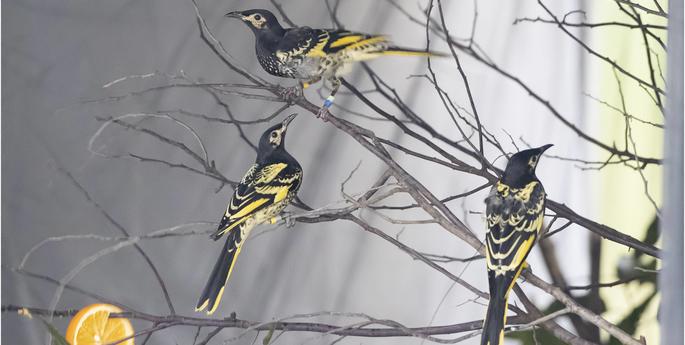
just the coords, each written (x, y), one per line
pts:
(265, 190)
(514, 213)
(308, 54)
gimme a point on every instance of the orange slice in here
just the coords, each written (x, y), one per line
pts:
(92, 326)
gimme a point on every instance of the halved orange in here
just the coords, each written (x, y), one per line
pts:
(93, 326)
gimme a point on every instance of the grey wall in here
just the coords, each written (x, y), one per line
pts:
(671, 280)
(58, 53)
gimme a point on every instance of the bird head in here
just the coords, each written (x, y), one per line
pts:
(273, 138)
(521, 166)
(257, 19)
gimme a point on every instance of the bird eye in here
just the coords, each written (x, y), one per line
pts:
(274, 135)
(257, 17)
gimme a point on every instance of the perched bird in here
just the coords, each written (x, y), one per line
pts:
(514, 211)
(265, 190)
(309, 55)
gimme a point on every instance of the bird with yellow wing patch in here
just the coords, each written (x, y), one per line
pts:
(514, 214)
(265, 190)
(308, 54)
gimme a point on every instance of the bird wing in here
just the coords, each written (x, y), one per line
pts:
(514, 219)
(305, 41)
(299, 42)
(338, 40)
(262, 186)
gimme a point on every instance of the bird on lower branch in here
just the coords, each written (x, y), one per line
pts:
(514, 212)
(309, 55)
(265, 190)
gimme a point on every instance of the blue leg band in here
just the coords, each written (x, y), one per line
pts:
(328, 102)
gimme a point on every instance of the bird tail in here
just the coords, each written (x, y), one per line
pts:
(411, 52)
(211, 295)
(496, 318)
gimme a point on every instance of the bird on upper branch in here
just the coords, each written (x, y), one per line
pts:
(514, 212)
(265, 190)
(309, 55)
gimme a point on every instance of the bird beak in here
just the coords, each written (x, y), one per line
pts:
(544, 147)
(287, 121)
(234, 14)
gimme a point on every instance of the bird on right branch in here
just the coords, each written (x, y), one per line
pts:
(515, 209)
(308, 54)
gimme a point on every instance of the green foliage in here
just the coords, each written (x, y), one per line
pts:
(267, 338)
(641, 270)
(630, 322)
(57, 338)
(644, 273)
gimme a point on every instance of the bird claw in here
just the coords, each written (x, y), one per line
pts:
(288, 219)
(289, 222)
(526, 268)
(323, 114)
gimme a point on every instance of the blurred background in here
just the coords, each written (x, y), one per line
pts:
(59, 55)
